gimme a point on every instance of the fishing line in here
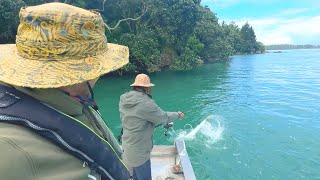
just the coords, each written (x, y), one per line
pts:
(184, 127)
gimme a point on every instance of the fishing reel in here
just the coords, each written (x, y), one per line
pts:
(166, 127)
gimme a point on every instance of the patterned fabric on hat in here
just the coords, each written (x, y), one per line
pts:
(59, 45)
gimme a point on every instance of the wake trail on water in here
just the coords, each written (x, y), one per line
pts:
(209, 131)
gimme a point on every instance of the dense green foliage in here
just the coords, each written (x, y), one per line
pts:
(9, 19)
(171, 34)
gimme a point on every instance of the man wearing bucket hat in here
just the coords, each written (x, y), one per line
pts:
(140, 115)
(50, 127)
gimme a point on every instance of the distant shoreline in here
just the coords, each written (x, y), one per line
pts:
(291, 46)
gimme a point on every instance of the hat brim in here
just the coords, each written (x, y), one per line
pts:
(20, 71)
(143, 85)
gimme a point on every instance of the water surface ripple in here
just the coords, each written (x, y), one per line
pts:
(266, 106)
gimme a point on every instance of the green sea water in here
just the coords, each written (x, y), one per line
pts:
(263, 111)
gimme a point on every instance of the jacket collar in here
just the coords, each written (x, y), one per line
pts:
(53, 97)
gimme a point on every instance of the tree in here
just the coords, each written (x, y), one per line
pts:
(260, 47)
(211, 34)
(232, 33)
(190, 57)
(249, 42)
(175, 34)
(145, 49)
(9, 19)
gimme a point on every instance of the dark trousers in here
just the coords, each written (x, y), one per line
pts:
(142, 172)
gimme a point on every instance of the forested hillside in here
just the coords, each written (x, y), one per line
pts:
(171, 34)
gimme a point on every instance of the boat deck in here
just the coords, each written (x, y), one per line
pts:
(163, 157)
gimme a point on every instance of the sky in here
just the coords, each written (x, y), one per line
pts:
(274, 21)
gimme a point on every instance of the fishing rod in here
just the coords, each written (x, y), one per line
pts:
(166, 126)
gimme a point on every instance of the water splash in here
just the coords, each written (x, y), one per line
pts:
(210, 131)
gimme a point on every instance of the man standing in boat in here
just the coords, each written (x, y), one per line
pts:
(140, 115)
(50, 127)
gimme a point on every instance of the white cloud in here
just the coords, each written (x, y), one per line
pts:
(293, 11)
(288, 26)
(280, 30)
(227, 3)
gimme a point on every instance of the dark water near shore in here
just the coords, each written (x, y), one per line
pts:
(264, 114)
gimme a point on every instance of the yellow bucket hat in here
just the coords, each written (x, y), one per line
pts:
(59, 45)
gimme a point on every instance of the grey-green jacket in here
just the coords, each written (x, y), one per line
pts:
(28, 156)
(139, 115)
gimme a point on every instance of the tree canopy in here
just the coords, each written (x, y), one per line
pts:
(171, 34)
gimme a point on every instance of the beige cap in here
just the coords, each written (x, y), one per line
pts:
(142, 80)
